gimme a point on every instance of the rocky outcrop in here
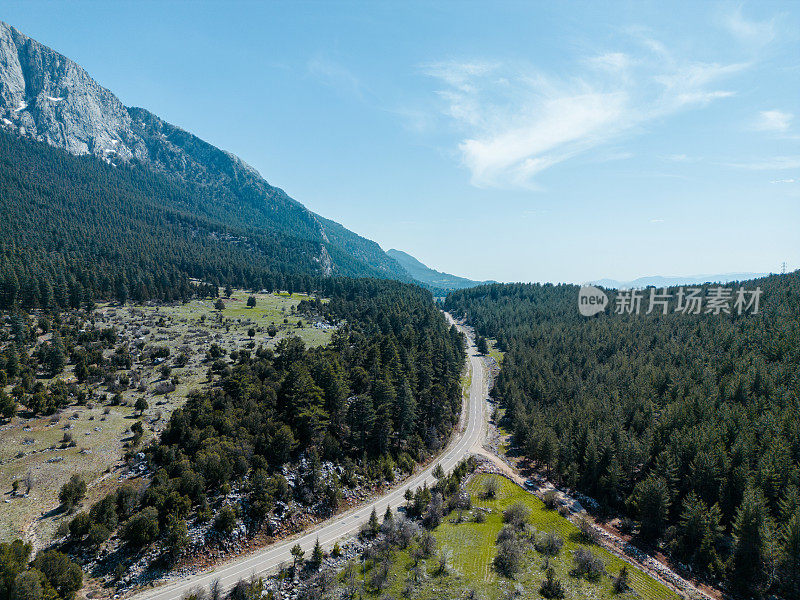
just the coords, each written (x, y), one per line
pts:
(48, 97)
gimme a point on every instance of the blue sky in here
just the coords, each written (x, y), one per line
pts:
(514, 141)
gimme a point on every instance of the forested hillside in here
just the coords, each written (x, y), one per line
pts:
(387, 385)
(76, 229)
(688, 423)
(47, 97)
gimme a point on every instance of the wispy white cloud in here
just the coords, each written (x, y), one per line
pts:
(613, 156)
(682, 158)
(785, 181)
(562, 126)
(517, 121)
(773, 120)
(618, 62)
(687, 85)
(335, 75)
(775, 163)
(755, 32)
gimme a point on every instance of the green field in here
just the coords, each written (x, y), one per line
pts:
(470, 548)
(495, 352)
(269, 309)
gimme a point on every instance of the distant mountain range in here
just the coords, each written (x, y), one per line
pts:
(45, 96)
(659, 281)
(435, 280)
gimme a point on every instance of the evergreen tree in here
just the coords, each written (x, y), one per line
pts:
(8, 407)
(316, 555)
(388, 516)
(141, 404)
(373, 526)
(699, 532)
(297, 557)
(750, 532)
(72, 492)
(651, 499)
(790, 552)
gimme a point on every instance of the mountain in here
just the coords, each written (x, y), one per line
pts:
(431, 278)
(659, 281)
(76, 229)
(47, 97)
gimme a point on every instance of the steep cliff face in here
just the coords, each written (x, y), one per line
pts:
(47, 97)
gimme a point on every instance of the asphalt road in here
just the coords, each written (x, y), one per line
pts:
(469, 437)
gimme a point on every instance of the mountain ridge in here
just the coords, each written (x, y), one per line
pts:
(47, 97)
(436, 280)
(667, 281)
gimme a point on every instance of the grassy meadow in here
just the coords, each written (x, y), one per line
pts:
(470, 549)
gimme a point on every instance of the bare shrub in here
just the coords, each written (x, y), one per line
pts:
(517, 515)
(490, 488)
(549, 544)
(508, 560)
(587, 532)
(505, 534)
(550, 499)
(587, 565)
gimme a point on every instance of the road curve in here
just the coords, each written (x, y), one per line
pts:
(469, 437)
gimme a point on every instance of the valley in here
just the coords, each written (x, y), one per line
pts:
(466, 543)
(213, 389)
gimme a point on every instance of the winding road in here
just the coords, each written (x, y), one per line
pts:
(468, 439)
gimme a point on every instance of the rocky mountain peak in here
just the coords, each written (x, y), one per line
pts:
(48, 97)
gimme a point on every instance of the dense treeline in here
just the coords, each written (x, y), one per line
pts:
(689, 423)
(388, 382)
(76, 230)
(382, 395)
(51, 575)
